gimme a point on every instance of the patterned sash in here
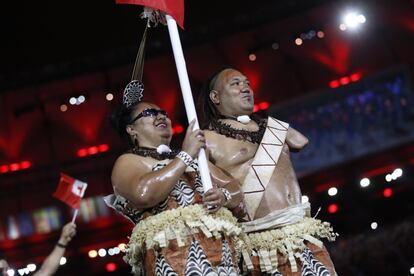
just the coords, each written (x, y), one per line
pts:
(264, 163)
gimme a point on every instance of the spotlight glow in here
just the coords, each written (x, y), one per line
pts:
(252, 57)
(333, 208)
(122, 247)
(72, 100)
(397, 173)
(332, 191)
(109, 97)
(31, 267)
(374, 225)
(81, 99)
(298, 41)
(63, 107)
(412, 270)
(320, 34)
(10, 272)
(388, 178)
(110, 267)
(92, 253)
(342, 27)
(365, 182)
(352, 20)
(361, 19)
(102, 252)
(387, 192)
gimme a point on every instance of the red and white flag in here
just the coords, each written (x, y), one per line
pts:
(175, 8)
(70, 190)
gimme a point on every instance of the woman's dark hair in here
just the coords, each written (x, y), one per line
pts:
(208, 108)
(120, 118)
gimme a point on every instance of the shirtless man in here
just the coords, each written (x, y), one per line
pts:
(256, 152)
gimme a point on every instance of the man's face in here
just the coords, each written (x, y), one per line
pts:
(232, 94)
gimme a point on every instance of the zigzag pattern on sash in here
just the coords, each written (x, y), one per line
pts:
(197, 262)
(311, 266)
(162, 268)
(226, 267)
(262, 145)
(183, 193)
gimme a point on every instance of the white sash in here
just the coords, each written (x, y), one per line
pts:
(264, 163)
(279, 218)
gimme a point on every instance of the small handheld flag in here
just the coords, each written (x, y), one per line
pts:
(70, 191)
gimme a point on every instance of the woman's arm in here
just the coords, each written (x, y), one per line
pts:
(133, 179)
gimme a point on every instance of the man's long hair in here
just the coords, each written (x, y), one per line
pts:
(206, 105)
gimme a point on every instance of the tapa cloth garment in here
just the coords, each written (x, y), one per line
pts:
(178, 236)
(264, 163)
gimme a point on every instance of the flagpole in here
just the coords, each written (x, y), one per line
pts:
(187, 96)
(75, 215)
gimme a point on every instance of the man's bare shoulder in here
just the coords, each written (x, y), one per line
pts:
(211, 134)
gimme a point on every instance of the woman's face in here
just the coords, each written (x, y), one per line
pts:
(151, 125)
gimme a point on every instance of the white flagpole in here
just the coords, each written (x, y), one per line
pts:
(75, 215)
(187, 96)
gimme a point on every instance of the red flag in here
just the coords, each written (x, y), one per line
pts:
(175, 8)
(70, 190)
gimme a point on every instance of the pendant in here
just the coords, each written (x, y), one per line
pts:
(244, 119)
(163, 149)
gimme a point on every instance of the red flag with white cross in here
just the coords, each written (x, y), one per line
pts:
(70, 190)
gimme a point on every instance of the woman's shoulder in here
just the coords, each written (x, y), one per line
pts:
(129, 162)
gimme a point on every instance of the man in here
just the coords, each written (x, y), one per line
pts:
(280, 238)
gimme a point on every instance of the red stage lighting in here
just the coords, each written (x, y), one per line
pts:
(387, 192)
(92, 150)
(344, 80)
(4, 169)
(14, 167)
(110, 267)
(264, 105)
(25, 164)
(334, 84)
(179, 129)
(333, 208)
(355, 77)
(103, 148)
(255, 108)
(82, 152)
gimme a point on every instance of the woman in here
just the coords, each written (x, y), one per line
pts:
(180, 229)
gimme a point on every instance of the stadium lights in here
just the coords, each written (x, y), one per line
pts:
(351, 21)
